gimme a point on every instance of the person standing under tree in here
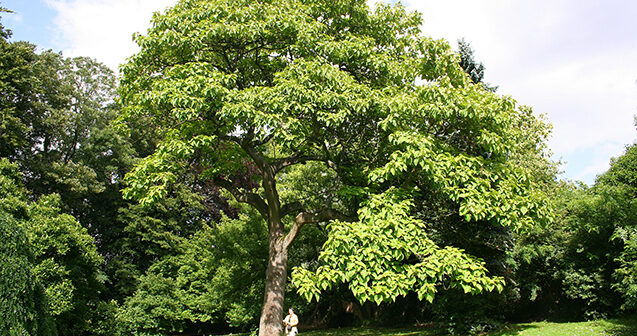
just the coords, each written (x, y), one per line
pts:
(291, 321)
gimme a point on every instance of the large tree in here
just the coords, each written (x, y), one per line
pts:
(241, 91)
(54, 113)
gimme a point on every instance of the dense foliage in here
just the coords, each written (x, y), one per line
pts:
(22, 296)
(583, 264)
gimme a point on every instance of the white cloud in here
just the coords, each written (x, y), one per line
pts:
(103, 29)
(589, 102)
(572, 60)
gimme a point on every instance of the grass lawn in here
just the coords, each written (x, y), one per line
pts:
(372, 332)
(613, 327)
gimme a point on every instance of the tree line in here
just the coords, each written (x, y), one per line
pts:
(258, 155)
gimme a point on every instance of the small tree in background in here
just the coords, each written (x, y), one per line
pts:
(471, 66)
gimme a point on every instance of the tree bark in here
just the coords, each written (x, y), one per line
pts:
(275, 281)
(270, 323)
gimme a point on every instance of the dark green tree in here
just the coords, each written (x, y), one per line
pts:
(621, 181)
(583, 265)
(67, 265)
(24, 302)
(471, 66)
(57, 259)
(55, 113)
(149, 234)
(18, 95)
(208, 286)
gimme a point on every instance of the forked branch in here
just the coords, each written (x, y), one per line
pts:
(244, 197)
(312, 217)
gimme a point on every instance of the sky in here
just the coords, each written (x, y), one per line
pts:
(574, 61)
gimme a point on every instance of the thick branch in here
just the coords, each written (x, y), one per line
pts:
(309, 217)
(244, 197)
(295, 158)
(256, 156)
(289, 208)
(323, 215)
(247, 145)
(249, 136)
(265, 140)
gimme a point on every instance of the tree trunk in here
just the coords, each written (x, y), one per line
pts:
(276, 277)
(276, 273)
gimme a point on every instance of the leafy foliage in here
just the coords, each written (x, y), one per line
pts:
(149, 234)
(215, 280)
(55, 113)
(67, 264)
(49, 108)
(582, 265)
(23, 299)
(312, 107)
(51, 263)
(388, 254)
(621, 178)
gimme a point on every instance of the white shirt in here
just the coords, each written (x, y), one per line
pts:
(291, 320)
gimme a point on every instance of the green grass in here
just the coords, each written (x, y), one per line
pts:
(613, 327)
(372, 332)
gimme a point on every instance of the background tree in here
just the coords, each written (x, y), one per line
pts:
(538, 257)
(149, 234)
(51, 109)
(601, 252)
(67, 265)
(582, 265)
(24, 307)
(622, 175)
(16, 101)
(55, 113)
(471, 66)
(59, 264)
(207, 287)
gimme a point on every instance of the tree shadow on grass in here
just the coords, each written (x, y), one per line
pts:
(622, 326)
(513, 329)
(414, 331)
